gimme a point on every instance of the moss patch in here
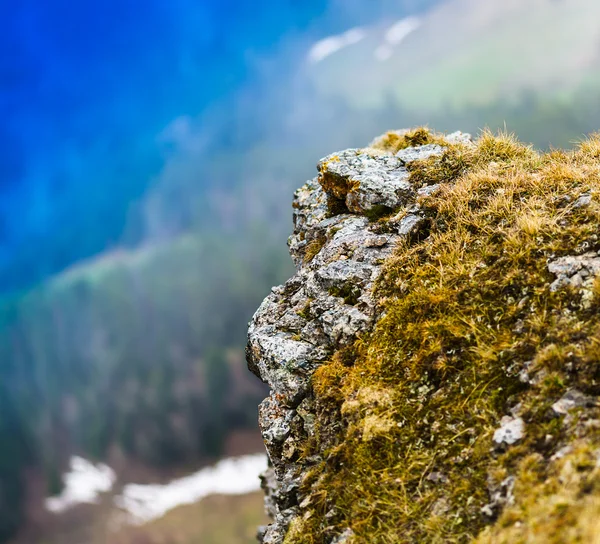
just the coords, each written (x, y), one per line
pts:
(554, 504)
(337, 187)
(348, 292)
(313, 247)
(470, 332)
(393, 142)
(379, 212)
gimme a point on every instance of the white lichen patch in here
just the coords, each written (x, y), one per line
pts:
(511, 430)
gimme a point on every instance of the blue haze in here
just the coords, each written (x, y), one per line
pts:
(87, 87)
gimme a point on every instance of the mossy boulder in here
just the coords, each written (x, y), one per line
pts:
(451, 389)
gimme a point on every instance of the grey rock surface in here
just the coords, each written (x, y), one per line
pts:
(511, 430)
(366, 180)
(570, 400)
(345, 538)
(578, 272)
(411, 154)
(575, 270)
(459, 137)
(326, 305)
(583, 200)
(500, 495)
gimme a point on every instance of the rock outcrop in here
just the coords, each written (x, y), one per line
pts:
(433, 362)
(338, 252)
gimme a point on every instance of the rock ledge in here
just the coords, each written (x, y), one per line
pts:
(338, 252)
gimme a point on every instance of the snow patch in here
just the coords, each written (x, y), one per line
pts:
(323, 48)
(83, 483)
(395, 35)
(401, 29)
(234, 476)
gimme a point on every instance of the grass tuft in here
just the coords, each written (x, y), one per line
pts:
(392, 142)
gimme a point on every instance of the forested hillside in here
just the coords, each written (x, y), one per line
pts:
(133, 357)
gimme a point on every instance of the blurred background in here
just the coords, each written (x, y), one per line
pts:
(148, 154)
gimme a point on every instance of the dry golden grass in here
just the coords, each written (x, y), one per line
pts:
(466, 309)
(394, 141)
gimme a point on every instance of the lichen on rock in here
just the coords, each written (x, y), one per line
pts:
(441, 284)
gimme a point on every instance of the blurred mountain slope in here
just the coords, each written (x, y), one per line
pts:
(466, 52)
(134, 357)
(86, 91)
(218, 519)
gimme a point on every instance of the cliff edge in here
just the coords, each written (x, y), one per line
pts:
(434, 363)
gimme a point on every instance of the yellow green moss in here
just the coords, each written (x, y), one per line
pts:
(313, 247)
(393, 142)
(553, 505)
(468, 312)
(348, 292)
(336, 186)
(453, 163)
(305, 312)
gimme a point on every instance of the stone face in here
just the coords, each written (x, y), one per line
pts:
(326, 305)
(345, 538)
(583, 200)
(500, 495)
(570, 400)
(576, 270)
(365, 181)
(459, 137)
(411, 154)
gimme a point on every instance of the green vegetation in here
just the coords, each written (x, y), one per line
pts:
(467, 312)
(217, 519)
(348, 292)
(135, 356)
